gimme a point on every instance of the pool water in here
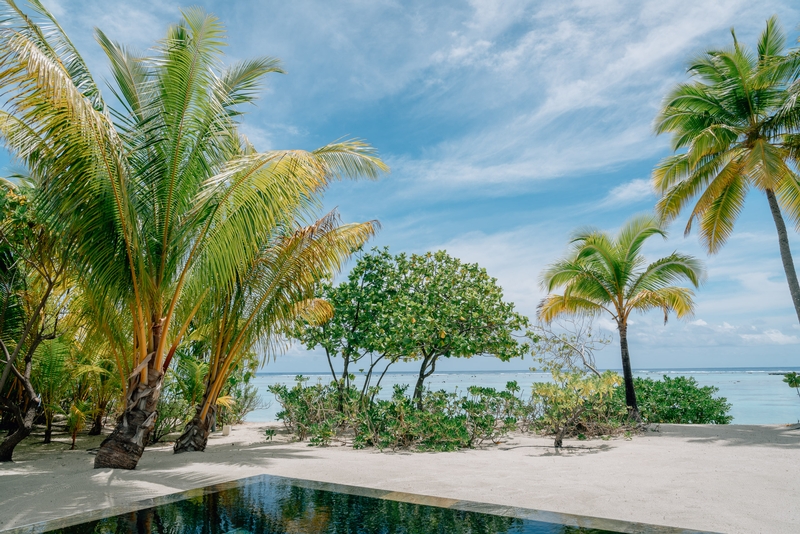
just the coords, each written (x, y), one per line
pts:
(267, 505)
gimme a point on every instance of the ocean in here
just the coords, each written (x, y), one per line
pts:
(758, 396)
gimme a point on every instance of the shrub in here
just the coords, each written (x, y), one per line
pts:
(446, 421)
(678, 400)
(172, 410)
(578, 404)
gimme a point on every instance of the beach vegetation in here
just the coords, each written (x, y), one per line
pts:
(606, 274)
(577, 403)
(734, 129)
(793, 381)
(162, 195)
(679, 400)
(446, 420)
(37, 276)
(419, 307)
(269, 297)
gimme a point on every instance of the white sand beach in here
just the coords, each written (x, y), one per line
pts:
(732, 478)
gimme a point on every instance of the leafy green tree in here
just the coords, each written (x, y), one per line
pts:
(605, 274)
(164, 194)
(362, 319)
(734, 128)
(446, 308)
(35, 278)
(418, 307)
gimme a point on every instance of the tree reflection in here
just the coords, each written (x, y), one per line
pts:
(272, 507)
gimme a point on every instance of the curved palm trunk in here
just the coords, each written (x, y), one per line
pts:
(125, 445)
(195, 436)
(627, 374)
(786, 253)
(97, 422)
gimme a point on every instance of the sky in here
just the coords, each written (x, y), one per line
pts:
(507, 125)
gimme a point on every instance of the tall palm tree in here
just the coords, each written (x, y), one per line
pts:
(266, 301)
(605, 274)
(162, 193)
(732, 127)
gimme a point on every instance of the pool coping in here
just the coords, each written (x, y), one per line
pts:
(412, 498)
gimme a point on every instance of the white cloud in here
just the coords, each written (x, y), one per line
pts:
(771, 337)
(629, 193)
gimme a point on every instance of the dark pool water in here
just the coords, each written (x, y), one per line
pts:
(269, 505)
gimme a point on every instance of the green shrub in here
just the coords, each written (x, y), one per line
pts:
(678, 400)
(577, 403)
(446, 421)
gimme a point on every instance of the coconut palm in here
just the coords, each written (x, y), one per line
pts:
(273, 293)
(730, 127)
(162, 193)
(605, 274)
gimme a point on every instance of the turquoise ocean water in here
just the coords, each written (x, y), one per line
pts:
(756, 395)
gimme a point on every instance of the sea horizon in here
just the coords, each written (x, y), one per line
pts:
(757, 395)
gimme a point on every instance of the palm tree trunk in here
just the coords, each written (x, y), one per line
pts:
(48, 428)
(786, 253)
(195, 436)
(627, 374)
(97, 423)
(125, 445)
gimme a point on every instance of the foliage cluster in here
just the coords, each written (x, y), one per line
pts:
(679, 400)
(413, 308)
(574, 404)
(446, 421)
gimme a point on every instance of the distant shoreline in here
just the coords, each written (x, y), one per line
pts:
(518, 371)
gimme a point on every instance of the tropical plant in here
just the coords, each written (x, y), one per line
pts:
(575, 402)
(734, 128)
(793, 381)
(679, 400)
(76, 419)
(266, 302)
(446, 308)
(35, 281)
(362, 318)
(605, 274)
(51, 378)
(165, 196)
(418, 307)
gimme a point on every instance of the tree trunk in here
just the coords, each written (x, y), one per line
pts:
(427, 362)
(786, 253)
(48, 428)
(123, 448)
(627, 374)
(22, 432)
(97, 423)
(195, 436)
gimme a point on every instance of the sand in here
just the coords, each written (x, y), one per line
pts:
(732, 478)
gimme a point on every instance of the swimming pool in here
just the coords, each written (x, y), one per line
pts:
(267, 504)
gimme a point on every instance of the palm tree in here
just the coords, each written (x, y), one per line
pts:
(732, 125)
(163, 193)
(266, 301)
(605, 274)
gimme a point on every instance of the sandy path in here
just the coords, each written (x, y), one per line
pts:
(721, 478)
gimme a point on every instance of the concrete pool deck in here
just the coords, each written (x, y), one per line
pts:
(733, 478)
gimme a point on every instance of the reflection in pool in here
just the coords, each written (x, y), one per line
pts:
(267, 505)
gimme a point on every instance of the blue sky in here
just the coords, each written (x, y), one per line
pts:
(507, 124)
